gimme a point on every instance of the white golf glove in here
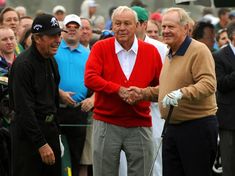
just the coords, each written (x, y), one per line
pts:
(172, 98)
(61, 147)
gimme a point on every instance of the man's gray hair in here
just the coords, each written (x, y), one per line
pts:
(119, 10)
(184, 18)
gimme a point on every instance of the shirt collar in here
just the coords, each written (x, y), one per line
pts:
(64, 45)
(133, 48)
(182, 49)
(232, 47)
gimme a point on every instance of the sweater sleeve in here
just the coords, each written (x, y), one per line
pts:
(94, 69)
(203, 72)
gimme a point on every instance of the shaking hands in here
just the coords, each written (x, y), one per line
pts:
(131, 95)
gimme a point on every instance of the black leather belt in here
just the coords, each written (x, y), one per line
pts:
(77, 105)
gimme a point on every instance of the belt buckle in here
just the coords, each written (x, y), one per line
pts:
(49, 118)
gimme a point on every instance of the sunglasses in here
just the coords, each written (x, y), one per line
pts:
(107, 33)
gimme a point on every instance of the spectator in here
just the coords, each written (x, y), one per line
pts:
(34, 96)
(224, 66)
(222, 37)
(113, 65)
(191, 24)
(85, 33)
(26, 39)
(25, 23)
(232, 16)
(204, 32)
(10, 18)
(21, 10)
(208, 16)
(108, 24)
(59, 12)
(157, 18)
(7, 45)
(223, 15)
(88, 10)
(71, 58)
(7, 57)
(138, 3)
(153, 30)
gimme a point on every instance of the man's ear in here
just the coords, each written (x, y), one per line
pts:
(186, 28)
(137, 24)
(36, 38)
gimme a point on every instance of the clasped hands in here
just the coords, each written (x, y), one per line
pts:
(131, 95)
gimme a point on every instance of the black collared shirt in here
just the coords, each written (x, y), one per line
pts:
(33, 88)
(182, 49)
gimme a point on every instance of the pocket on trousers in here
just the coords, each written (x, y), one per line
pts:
(99, 127)
(146, 132)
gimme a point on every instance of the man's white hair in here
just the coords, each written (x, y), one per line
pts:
(119, 10)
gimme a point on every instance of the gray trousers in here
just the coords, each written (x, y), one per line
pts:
(227, 150)
(109, 140)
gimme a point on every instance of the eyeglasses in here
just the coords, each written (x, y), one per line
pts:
(107, 33)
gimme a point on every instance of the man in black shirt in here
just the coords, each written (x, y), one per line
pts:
(33, 88)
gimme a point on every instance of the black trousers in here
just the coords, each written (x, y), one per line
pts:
(227, 148)
(189, 148)
(75, 135)
(26, 159)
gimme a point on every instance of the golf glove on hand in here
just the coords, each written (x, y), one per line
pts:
(61, 147)
(172, 98)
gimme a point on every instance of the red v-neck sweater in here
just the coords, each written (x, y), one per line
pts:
(104, 75)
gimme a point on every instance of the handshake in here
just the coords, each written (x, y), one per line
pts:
(131, 95)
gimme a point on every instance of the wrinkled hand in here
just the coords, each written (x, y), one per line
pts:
(131, 95)
(172, 98)
(123, 93)
(87, 104)
(135, 95)
(61, 147)
(67, 97)
(47, 155)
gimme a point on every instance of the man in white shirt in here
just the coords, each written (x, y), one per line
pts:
(157, 122)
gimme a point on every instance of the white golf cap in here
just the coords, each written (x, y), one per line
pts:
(58, 8)
(72, 18)
(92, 3)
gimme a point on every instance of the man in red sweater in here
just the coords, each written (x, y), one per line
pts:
(113, 66)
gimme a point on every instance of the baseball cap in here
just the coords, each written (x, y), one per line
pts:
(58, 8)
(46, 24)
(72, 18)
(156, 16)
(232, 14)
(142, 13)
(92, 3)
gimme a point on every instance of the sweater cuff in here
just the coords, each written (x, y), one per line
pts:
(150, 93)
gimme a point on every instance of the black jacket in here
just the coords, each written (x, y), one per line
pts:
(225, 74)
(33, 89)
